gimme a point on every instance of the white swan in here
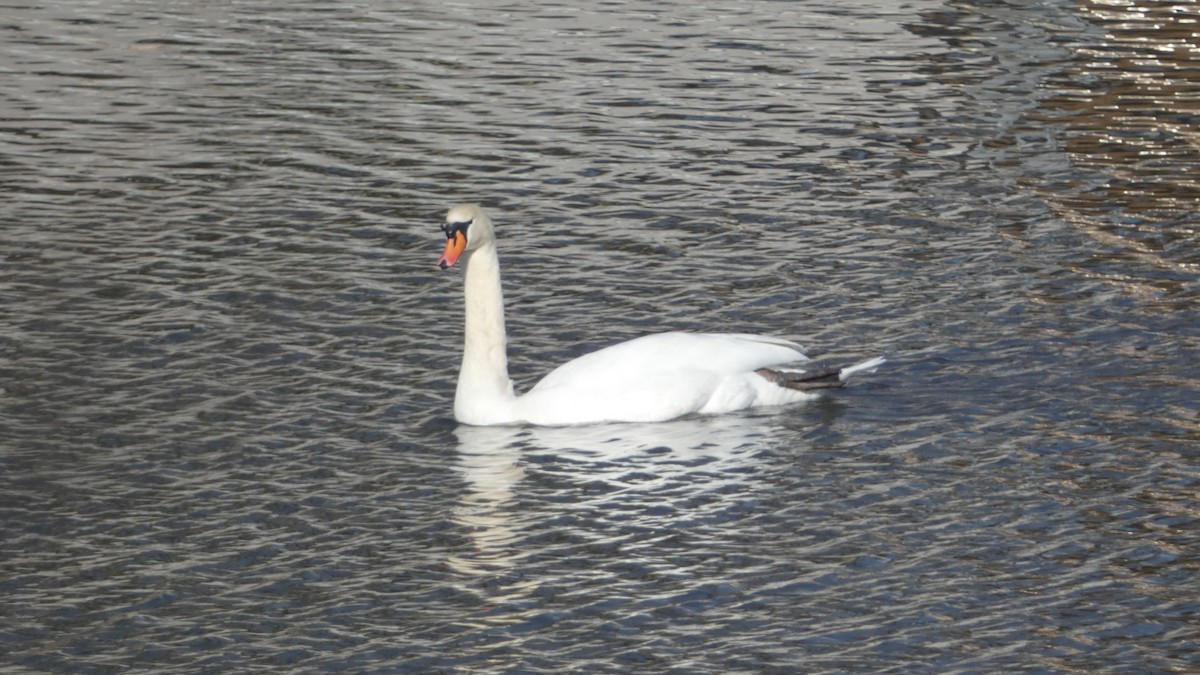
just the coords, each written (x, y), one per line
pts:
(649, 379)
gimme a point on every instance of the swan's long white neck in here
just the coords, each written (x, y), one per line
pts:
(485, 393)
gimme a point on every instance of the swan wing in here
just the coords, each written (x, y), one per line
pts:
(659, 377)
(674, 353)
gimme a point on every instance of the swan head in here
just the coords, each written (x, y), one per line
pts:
(467, 228)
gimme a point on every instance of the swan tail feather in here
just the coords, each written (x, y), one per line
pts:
(828, 377)
(868, 366)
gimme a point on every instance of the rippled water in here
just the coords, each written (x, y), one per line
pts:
(227, 359)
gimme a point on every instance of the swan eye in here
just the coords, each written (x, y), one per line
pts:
(451, 227)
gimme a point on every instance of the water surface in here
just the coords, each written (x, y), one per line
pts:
(227, 358)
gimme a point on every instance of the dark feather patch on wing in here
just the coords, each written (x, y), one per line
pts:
(820, 378)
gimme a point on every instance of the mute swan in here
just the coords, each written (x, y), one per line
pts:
(648, 379)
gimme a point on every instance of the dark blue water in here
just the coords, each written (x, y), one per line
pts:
(227, 359)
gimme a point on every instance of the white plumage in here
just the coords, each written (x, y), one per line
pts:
(648, 379)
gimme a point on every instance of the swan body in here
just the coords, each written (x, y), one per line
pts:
(648, 379)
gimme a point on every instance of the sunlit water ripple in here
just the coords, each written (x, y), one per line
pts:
(227, 359)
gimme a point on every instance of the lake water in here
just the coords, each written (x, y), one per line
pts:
(227, 358)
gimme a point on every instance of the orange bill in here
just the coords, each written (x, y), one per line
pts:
(455, 244)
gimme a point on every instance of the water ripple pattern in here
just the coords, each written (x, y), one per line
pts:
(227, 359)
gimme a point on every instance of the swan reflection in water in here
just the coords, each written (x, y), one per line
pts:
(518, 478)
